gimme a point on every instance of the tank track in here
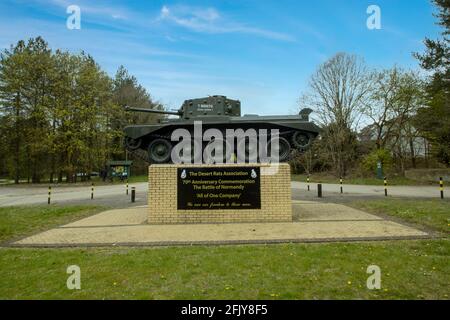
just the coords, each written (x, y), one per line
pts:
(140, 154)
(143, 154)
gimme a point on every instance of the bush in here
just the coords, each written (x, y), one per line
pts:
(370, 161)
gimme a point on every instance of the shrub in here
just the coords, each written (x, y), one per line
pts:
(370, 161)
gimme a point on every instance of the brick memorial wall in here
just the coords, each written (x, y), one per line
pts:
(181, 194)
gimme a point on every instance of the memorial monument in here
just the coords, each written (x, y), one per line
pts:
(212, 165)
(188, 193)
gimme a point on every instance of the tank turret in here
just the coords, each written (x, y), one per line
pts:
(152, 142)
(213, 106)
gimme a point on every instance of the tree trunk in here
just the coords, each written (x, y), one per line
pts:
(412, 153)
(53, 169)
(17, 146)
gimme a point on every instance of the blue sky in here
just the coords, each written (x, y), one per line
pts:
(261, 52)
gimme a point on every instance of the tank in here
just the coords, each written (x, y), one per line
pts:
(153, 143)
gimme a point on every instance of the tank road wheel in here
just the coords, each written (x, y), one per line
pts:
(159, 151)
(283, 150)
(209, 154)
(193, 153)
(133, 144)
(301, 140)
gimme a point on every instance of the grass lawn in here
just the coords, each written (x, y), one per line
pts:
(393, 181)
(433, 213)
(409, 269)
(136, 179)
(20, 221)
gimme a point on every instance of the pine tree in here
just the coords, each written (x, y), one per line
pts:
(434, 119)
(13, 65)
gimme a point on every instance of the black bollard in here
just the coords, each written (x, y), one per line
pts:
(49, 194)
(340, 181)
(133, 194)
(307, 180)
(319, 190)
(385, 187)
(92, 191)
(441, 187)
(127, 187)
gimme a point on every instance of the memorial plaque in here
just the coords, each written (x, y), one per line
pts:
(219, 188)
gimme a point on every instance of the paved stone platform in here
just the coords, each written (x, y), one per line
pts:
(313, 222)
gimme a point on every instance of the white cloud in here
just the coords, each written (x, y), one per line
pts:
(165, 12)
(208, 20)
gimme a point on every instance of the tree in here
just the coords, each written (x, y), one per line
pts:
(395, 96)
(393, 103)
(128, 92)
(339, 90)
(38, 93)
(433, 120)
(13, 110)
(60, 113)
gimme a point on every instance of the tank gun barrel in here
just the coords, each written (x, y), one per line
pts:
(176, 113)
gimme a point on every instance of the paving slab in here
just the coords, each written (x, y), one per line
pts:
(118, 217)
(314, 222)
(313, 211)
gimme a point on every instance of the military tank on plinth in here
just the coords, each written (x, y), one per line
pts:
(153, 143)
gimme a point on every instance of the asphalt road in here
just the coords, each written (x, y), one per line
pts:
(115, 195)
(366, 190)
(109, 195)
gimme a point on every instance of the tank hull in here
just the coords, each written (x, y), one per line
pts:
(287, 126)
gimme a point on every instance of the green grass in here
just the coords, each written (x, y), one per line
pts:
(434, 213)
(409, 269)
(326, 178)
(136, 179)
(19, 221)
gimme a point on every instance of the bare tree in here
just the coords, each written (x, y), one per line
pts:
(339, 90)
(396, 96)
